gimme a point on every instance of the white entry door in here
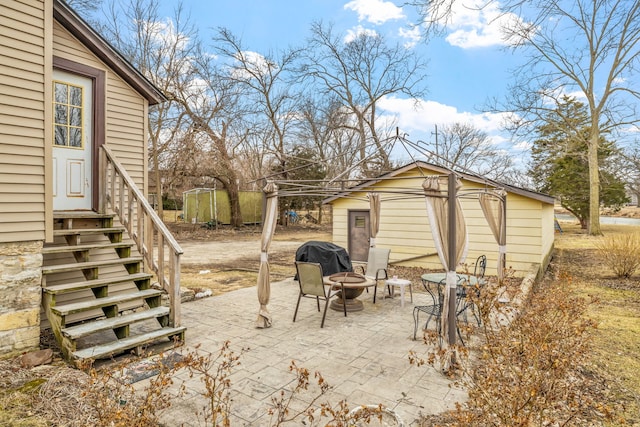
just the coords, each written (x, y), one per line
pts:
(72, 141)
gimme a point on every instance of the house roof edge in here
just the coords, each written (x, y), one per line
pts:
(80, 29)
(544, 198)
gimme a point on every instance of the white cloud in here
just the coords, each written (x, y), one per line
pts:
(412, 36)
(577, 94)
(553, 97)
(164, 34)
(427, 114)
(255, 62)
(522, 146)
(476, 23)
(353, 33)
(375, 11)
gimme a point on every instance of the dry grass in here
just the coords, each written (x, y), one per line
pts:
(616, 308)
(42, 396)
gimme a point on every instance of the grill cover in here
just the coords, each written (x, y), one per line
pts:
(332, 258)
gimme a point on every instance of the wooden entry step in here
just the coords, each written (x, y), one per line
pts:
(134, 342)
(85, 248)
(137, 278)
(77, 266)
(84, 329)
(106, 302)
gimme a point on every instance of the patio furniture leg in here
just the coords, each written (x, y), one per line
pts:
(297, 305)
(416, 318)
(326, 304)
(375, 291)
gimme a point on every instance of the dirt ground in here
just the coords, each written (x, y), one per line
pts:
(225, 259)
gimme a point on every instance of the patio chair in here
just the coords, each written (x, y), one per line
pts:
(312, 286)
(376, 268)
(473, 284)
(433, 310)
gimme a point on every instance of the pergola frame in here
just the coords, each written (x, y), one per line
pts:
(329, 188)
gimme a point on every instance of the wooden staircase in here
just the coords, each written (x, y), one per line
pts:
(97, 298)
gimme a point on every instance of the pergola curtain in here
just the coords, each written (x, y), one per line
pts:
(374, 218)
(268, 227)
(493, 207)
(437, 203)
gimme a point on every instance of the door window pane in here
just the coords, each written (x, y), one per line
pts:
(61, 114)
(68, 110)
(75, 95)
(60, 93)
(60, 135)
(75, 137)
(359, 222)
(76, 117)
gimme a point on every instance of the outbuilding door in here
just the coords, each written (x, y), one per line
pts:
(72, 141)
(359, 233)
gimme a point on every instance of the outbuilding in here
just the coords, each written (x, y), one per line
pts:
(404, 225)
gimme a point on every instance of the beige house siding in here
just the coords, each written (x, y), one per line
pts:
(404, 226)
(22, 120)
(24, 72)
(125, 111)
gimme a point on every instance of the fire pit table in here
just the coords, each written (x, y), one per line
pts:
(353, 284)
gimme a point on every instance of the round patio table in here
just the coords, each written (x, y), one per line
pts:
(353, 285)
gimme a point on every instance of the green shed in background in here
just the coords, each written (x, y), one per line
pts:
(208, 204)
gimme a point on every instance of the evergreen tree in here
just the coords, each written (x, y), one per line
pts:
(560, 165)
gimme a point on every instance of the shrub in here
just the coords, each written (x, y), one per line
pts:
(533, 370)
(621, 253)
(338, 415)
(114, 402)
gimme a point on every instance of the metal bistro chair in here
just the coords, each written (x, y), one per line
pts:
(376, 268)
(432, 310)
(312, 286)
(464, 301)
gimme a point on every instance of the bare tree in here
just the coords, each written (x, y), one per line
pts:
(213, 103)
(465, 147)
(268, 83)
(162, 49)
(324, 126)
(585, 47)
(590, 47)
(85, 7)
(359, 73)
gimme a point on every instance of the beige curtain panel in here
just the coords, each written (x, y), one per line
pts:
(268, 228)
(374, 218)
(438, 214)
(437, 202)
(492, 204)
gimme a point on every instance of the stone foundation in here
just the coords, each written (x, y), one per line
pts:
(20, 297)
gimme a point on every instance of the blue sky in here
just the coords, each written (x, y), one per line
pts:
(465, 66)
